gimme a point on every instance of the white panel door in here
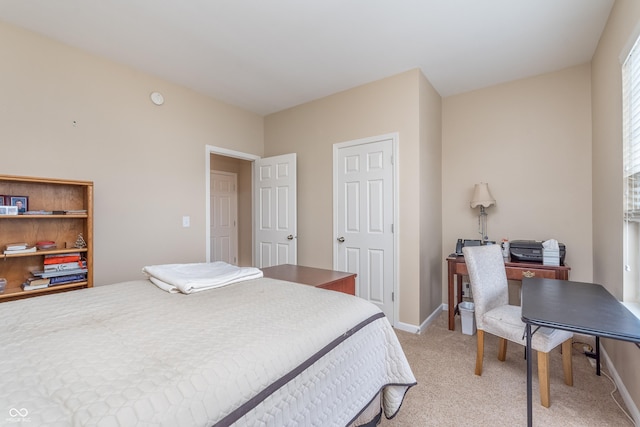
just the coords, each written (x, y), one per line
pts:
(364, 211)
(224, 217)
(275, 221)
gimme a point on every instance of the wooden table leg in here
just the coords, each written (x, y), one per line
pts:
(451, 300)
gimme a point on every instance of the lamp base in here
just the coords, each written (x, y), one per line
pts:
(482, 225)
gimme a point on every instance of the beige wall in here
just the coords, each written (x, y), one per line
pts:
(147, 162)
(242, 169)
(430, 182)
(531, 141)
(621, 29)
(310, 130)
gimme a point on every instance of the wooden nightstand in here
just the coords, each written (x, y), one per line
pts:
(318, 277)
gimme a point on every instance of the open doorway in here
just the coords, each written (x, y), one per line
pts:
(239, 164)
(266, 213)
(241, 169)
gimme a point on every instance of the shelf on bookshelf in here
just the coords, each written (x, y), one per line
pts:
(13, 293)
(45, 252)
(43, 216)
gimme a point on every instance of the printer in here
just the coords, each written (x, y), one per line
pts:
(531, 251)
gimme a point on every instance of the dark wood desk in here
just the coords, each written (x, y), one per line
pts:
(584, 308)
(515, 271)
(318, 277)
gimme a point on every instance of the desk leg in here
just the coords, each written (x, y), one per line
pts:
(452, 305)
(529, 398)
(597, 355)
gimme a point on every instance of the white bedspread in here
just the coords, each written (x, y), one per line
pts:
(260, 352)
(195, 277)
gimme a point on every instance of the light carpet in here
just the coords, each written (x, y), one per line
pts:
(450, 394)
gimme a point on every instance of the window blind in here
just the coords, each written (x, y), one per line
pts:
(631, 133)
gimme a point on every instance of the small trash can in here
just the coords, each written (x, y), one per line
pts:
(467, 314)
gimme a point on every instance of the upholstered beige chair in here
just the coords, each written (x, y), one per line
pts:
(495, 316)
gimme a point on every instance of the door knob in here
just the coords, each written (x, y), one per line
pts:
(290, 237)
(341, 239)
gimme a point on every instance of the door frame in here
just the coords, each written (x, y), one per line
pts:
(394, 137)
(211, 149)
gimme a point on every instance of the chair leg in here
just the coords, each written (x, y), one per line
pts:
(502, 350)
(567, 365)
(480, 351)
(543, 378)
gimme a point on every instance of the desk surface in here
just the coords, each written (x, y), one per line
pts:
(516, 264)
(585, 308)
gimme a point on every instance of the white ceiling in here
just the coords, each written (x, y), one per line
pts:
(266, 56)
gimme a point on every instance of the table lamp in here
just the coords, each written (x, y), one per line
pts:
(482, 197)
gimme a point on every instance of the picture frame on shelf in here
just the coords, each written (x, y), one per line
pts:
(8, 210)
(3, 200)
(21, 202)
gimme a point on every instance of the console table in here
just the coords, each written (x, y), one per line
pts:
(318, 277)
(515, 271)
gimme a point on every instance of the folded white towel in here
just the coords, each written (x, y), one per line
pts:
(195, 277)
(164, 286)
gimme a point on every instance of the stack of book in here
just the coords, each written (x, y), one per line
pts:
(58, 269)
(34, 283)
(76, 212)
(18, 248)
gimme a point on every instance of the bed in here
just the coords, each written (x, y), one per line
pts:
(259, 352)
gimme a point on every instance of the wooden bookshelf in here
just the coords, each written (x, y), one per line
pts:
(47, 195)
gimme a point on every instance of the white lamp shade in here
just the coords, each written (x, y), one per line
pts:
(482, 196)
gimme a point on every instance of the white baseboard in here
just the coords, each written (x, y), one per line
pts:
(432, 317)
(631, 406)
(407, 327)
